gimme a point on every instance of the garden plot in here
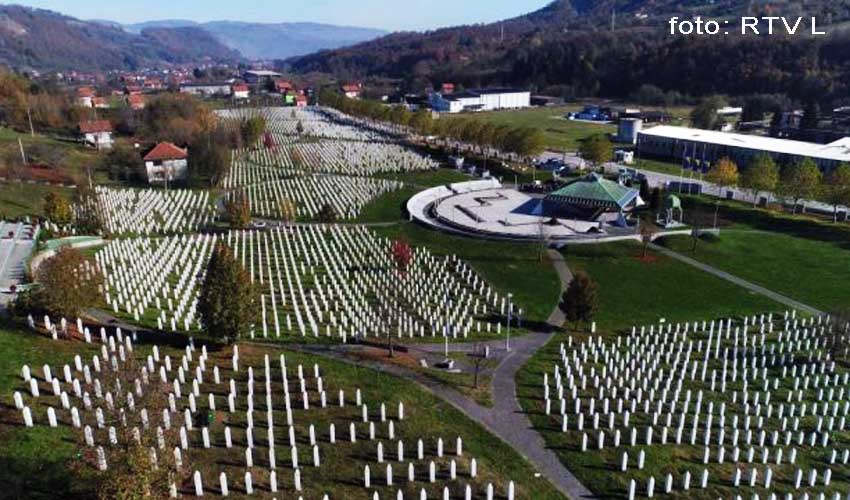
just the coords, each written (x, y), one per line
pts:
(329, 281)
(224, 424)
(748, 408)
(347, 195)
(149, 211)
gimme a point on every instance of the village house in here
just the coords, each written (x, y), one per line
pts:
(352, 90)
(206, 89)
(100, 103)
(241, 91)
(97, 134)
(166, 163)
(300, 101)
(136, 102)
(284, 86)
(85, 97)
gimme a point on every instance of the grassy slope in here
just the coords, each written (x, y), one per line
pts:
(17, 200)
(35, 461)
(798, 255)
(509, 267)
(636, 292)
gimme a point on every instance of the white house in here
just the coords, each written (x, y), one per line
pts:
(166, 163)
(241, 91)
(97, 134)
(480, 100)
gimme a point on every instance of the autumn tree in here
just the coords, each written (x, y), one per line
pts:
(402, 257)
(724, 174)
(800, 181)
(228, 300)
(68, 283)
(287, 210)
(762, 175)
(837, 190)
(58, 209)
(88, 217)
(579, 302)
(124, 162)
(596, 149)
(238, 211)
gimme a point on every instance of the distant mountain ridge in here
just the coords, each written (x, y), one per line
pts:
(575, 48)
(46, 40)
(271, 40)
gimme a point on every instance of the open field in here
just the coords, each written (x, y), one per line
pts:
(561, 133)
(804, 269)
(634, 291)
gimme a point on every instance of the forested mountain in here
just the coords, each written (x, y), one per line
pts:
(46, 40)
(569, 48)
(272, 40)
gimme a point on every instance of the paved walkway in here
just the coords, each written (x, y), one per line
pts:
(557, 318)
(505, 419)
(782, 299)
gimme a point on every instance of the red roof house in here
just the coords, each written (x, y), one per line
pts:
(165, 151)
(94, 127)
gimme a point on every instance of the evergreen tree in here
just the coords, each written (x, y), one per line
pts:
(328, 214)
(228, 300)
(580, 301)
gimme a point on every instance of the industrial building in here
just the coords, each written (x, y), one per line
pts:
(480, 100)
(681, 143)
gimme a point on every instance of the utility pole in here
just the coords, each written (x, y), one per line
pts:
(29, 118)
(613, 19)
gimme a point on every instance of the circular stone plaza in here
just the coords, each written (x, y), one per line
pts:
(590, 208)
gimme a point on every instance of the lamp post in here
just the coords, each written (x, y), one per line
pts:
(510, 310)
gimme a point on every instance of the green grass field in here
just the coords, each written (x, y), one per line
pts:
(561, 133)
(806, 270)
(636, 291)
(20, 199)
(508, 266)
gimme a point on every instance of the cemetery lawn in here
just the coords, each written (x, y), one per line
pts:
(508, 266)
(34, 463)
(21, 199)
(561, 134)
(431, 178)
(636, 291)
(599, 470)
(806, 270)
(426, 416)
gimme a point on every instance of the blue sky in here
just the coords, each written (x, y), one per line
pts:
(385, 14)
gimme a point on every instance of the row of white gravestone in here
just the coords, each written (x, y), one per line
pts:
(315, 124)
(349, 159)
(330, 281)
(308, 195)
(640, 384)
(150, 211)
(154, 363)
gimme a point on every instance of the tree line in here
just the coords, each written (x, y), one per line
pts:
(798, 181)
(523, 141)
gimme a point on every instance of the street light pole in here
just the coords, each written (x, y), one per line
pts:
(510, 310)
